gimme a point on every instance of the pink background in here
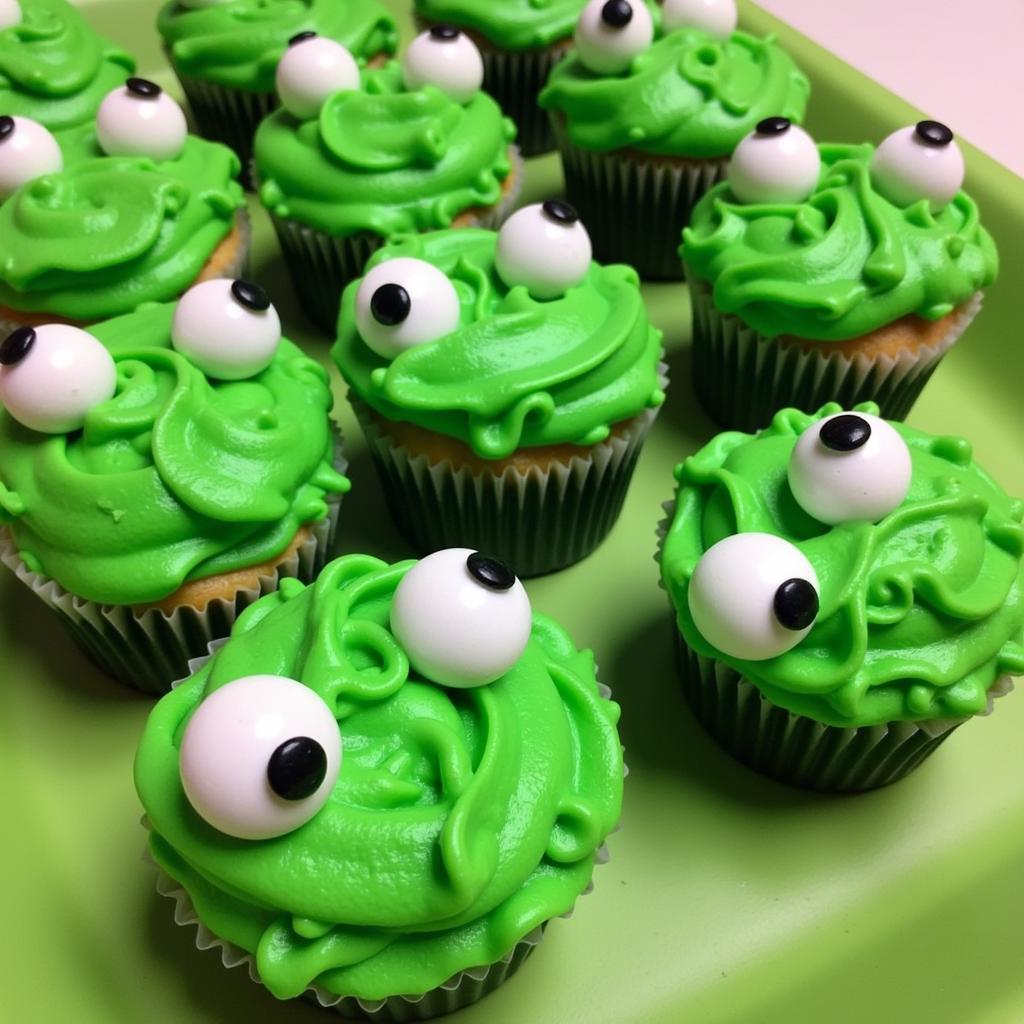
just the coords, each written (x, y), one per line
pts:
(960, 61)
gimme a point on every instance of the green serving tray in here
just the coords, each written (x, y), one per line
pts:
(728, 898)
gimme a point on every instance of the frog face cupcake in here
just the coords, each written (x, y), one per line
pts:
(833, 272)
(646, 118)
(225, 53)
(352, 159)
(384, 786)
(847, 592)
(162, 471)
(505, 383)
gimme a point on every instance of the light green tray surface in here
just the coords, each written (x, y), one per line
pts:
(728, 898)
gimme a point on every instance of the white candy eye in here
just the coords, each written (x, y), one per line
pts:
(462, 618)
(311, 69)
(921, 162)
(610, 33)
(10, 14)
(716, 17)
(140, 119)
(753, 596)
(229, 329)
(27, 150)
(545, 248)
(51, 376)
(447, 58)
(850, 467)
(777, 162)
(260, 757)
(405, 302)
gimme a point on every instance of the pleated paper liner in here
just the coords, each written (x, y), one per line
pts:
(635, 205)
(743, 378)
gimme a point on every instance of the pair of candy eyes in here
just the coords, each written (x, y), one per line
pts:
(260, 756)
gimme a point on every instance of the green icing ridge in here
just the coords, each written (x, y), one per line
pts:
(844, 262)
(384, 159)
(511, 24)
(920, 613)
(688, 95)
(177, 477)
(461, 819)
(239, 43)
(54, 68)
(518, 372)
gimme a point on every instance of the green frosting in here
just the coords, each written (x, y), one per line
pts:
(109, 233)
(175, 478)
(385, 160)
(461, 820)
(518, 372)
(239, 43)
(689, 95)
(920, 613)
(54, 68)
(841, 264)
(511, 24)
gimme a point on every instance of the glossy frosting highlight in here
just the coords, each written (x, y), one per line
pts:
(512, 24)
(460, 821)
(841, 264)
(920, 613)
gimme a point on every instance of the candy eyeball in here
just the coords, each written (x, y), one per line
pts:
(753, 596)
(610, 33)
(10, 14)
(229, 329)
(920, 162)
(850, 467)
(777, 162)
(405, 302)
(27, 151)
(462, 618)
(716, 17)
(51, 376)
(140, 119)
(447, 58)
(260, 756)
(311, 69)
(545, 248)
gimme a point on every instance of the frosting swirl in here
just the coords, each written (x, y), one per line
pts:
(512, 24)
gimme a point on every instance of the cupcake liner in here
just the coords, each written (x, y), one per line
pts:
(148, 648)
(743, 378)
(635, 206)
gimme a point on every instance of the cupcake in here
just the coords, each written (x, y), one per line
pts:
(505, 384)
(225, 53)
(53, 68)
(832, 272)
(162, 471)
(521, 41)
(847, 591)
(646, 124)
(420, 775)
(108, 216)
(352, 159)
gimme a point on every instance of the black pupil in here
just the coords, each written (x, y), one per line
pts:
(773, 126)
(250, 295)
(143, 87)
(617, 13)
(796, 604)
(490, 572)
(16, 346)
(933, 133)
(297, 768)
(6, 126)
(390, 305)
(444, 32)
(301, 37)
(561, 212)
(845, 433)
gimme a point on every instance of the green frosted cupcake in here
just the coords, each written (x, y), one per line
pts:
(225, 53)
(505, 384)
(647, 116)
(349, 801)
(163, 471)
(847, 592)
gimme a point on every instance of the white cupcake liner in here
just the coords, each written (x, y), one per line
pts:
(743, 378)
(635, 206)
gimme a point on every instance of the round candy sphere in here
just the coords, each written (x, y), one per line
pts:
(51, 376)
(140, 119)
(610, 33)
(446, 58)
(778, 162)
(311, 69)
(920, 162)
(27, 151)
(716, 17)
(462, 618)
(10, 14)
